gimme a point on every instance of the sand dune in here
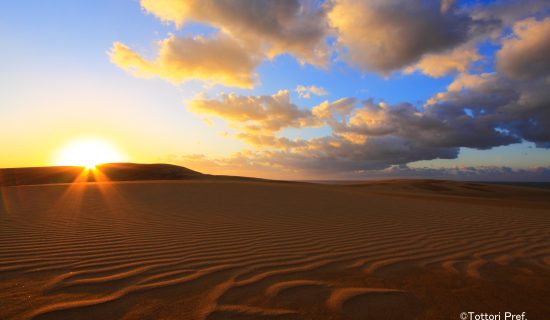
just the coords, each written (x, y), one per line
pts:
(263, 250)
(109, 171)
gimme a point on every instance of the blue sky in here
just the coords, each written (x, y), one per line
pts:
(59, 83)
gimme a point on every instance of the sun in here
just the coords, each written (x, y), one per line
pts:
(88, 153)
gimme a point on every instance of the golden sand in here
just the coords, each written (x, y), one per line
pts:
(266, 250)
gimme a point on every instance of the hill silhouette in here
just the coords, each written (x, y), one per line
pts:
(111, 171)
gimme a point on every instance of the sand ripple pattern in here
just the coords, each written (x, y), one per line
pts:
(255, 250)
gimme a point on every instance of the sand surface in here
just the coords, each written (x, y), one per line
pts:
(261, 250)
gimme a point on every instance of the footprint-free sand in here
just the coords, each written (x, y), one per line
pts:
(271, 250)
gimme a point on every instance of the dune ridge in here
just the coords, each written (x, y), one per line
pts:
(102, 172)
(236, 249)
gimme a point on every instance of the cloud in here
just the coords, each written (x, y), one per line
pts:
(526, 54)
(267, 114)
(364, 136)
(330, 110)
(470, 173)
(514, 100)
(329, 155)
(217, 59)
(440, 64)
(507, 12)
(446, 5)
(254, 164)
(514, 110)
(387, 35)
(272, 141)
(382, 36)
(283, 26)
(478, 111)
(434, 128)
(244, 163)
(306, 92)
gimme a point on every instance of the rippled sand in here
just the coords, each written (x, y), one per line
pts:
(266, 250)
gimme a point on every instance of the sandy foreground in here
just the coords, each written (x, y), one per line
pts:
(266, 250)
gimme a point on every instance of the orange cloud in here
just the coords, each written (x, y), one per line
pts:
(278, 26)
(258, 114)
(218, 59)
(327, 110)
(440, 64)
(526, 54)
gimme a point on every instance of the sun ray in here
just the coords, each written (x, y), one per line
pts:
(87, 154)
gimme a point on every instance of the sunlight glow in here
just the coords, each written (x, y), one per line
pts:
(88, 153)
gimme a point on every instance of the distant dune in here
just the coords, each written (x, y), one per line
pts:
(207, 247)
(110, 171)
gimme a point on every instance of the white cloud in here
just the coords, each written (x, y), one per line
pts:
(306, 92)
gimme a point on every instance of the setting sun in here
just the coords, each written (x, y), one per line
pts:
(88, 153)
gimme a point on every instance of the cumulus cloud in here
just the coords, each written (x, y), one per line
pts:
(478, 111)
(257, 114)
(382, 36)
(526, 54)
(514, 100)
(337, 155)
(217, 59)
(437, 65)
(328, 111)
(387, 35)
(283, 26)
(436, 127)
(364, 136)
(248, 33)
(306, 92)
(509, 109)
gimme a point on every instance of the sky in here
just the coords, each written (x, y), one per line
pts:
(342, 89)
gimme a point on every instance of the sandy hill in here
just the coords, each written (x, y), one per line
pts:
(110, 171)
